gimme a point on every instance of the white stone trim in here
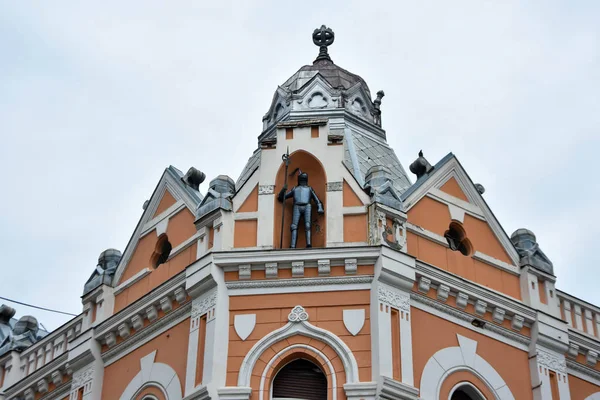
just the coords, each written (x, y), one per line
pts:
(245, 216)
(594, 396)
(479, 256)
(162, 218)
(463, 357)
(299, 285)
(356, 210)
(303, 328)
(131, 281)
(154, 374)
(461, 385)
(275, 358)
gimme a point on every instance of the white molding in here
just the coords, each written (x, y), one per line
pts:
(513, 269)
(304, 328)
(131, 281)
(163, 217)
(300, 285)
(461, 358)
(154, 374)
(245, 216)
(356, 210)
(417, 230)
(275, 358)
(449, 200)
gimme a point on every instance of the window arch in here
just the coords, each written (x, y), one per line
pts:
(162, 250)
(457, 239)
(300, 379)
(465, 391)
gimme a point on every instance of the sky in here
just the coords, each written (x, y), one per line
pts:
(98, 98)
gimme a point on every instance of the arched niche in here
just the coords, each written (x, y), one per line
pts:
(300, 376)
(318, 181)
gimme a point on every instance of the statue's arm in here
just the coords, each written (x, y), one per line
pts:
(283, 195)
(317, 201)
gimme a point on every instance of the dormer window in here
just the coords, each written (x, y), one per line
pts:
(161, 251)
(457, 239)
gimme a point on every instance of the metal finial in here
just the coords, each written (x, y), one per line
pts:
(323, 37)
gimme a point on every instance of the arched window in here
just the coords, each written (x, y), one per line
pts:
(300, 380)
(161, 251)
(466, 391)
(457, 239)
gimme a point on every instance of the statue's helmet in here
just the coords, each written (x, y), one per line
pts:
(303, 179)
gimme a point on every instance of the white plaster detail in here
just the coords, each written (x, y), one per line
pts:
(350, 266)
(424, 284)
(591, 358)
(161, 227)
(155, 374)
(573, 350)
(124, 330)
(234, 393)
(552, 361)
(151, 313)
(110, 338)
(244, 271)
(298, 314)
(517, 322)
(180, 295)
(166, 304)
(461, 300)
(305, 328)
(57, 378)
(129, 282)
(297, 269)
(354, 320)
(137, 322)
(203, 304)
(324, 267)
(334, 186)
(498, 315)
(266, 189)
(271, 270)
(244, 325)
(81, 377)
(394, 298)
(461, 358)
(594, 396)
(456, 213)
(442, 292)
(480, 307)
(29, 394)
(42, 385)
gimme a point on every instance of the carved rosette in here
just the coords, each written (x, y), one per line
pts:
(551, 361)
(394, 299)
(298, 314)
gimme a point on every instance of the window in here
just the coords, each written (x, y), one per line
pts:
(161, 251)
(302, 380)
(457, 239)
(466, 391)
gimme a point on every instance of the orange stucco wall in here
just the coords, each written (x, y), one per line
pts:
(157, 277)
(167, 201)
(350, 198)
(251, 202)
(245, 233)
(317, 180)
(325, 310)
(355, 228)
(435, 217)
(581, 389)
(431, 334)
(453, 189)
(171, 346)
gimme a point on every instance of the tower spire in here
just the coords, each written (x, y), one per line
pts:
(323, 37)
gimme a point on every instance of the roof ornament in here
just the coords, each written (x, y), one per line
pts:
(377, 105)
(529, 251)
(193, 178)
(420, 166)
(323, 37)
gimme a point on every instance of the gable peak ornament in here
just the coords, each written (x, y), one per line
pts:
(298, 314)
(323, 37)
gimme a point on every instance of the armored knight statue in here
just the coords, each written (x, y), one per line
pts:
(303, 195)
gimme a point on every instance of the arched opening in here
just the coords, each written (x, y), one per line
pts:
(466, 391)
(300, 380)
(457, 239)
(162, 250)
(317, 179)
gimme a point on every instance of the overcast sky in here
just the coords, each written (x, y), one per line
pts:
(97, 98)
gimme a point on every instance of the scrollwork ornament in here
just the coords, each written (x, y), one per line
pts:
(552, 361)
(202, 305)
(394, 299)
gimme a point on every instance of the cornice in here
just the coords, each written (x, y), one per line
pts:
(172, 318)
(462, 315)
(34, 377)
(585, 370)
(280, 283)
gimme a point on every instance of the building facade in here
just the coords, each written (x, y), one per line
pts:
(411, 290)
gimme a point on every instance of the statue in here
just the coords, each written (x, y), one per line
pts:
(303, 195)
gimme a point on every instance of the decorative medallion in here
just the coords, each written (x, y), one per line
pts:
(266, 189)
(394, 299)
(335, 186)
